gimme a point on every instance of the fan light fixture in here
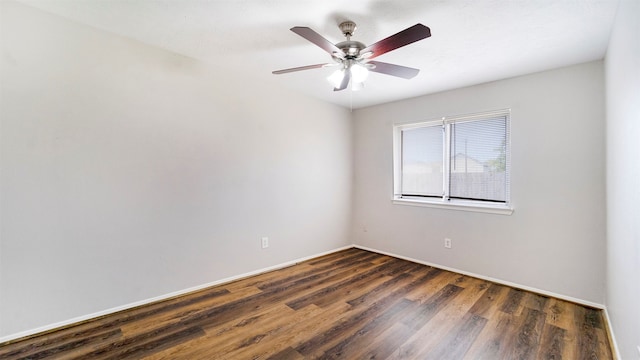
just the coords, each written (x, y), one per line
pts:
(358, 72)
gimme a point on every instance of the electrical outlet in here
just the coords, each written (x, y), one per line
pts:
(447, 243)
(265, 242)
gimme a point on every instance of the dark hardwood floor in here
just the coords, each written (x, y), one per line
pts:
(352, 304)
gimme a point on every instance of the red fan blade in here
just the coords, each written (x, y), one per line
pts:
(317, 39)
(404, 37)
(393, 70)
(308, 67)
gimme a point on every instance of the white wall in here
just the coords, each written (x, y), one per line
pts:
(129, 172)
(622, 66)
(555, 239)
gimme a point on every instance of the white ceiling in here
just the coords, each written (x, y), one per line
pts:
(472, 42)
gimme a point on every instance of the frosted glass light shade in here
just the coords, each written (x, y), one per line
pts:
(359, 73)
(336, 78)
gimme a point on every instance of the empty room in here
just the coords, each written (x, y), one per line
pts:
(217, 179)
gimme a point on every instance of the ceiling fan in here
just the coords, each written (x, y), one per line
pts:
(355, 59)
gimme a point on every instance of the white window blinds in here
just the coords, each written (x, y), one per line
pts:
(478, 160)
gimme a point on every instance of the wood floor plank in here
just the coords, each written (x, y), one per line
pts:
(323, 273)
(76, 346)
(326, 265)
(459, 339)
(490, 301)
(552, 343)
(313, 326)
(373, 273)
(432, 306)
(150, 323)
(511, 305)
(342, 256)
(434, 332)
(314, 346)
(535, 301)
(287, 354)
(223, 313)
(352, 304)
(589, 324)
(560, 313)
(437, 280)
(388, 342)
(526, 338)
(493, 341)
(339, 298)
(225, 342)
(275, 336)
(420, 276)
(350, 347)
(319, 330)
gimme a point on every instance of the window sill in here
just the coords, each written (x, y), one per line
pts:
(499, 209)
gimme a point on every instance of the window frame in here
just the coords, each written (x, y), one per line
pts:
(445, 202)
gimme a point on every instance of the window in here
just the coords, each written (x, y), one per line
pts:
(460, 162)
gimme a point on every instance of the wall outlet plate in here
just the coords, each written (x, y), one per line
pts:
(265, 242)
(447, 243)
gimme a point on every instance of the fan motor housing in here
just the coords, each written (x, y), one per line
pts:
(350, 48)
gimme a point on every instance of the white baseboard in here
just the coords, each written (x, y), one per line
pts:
(612, 338)
(162, 297)
(488, 278)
